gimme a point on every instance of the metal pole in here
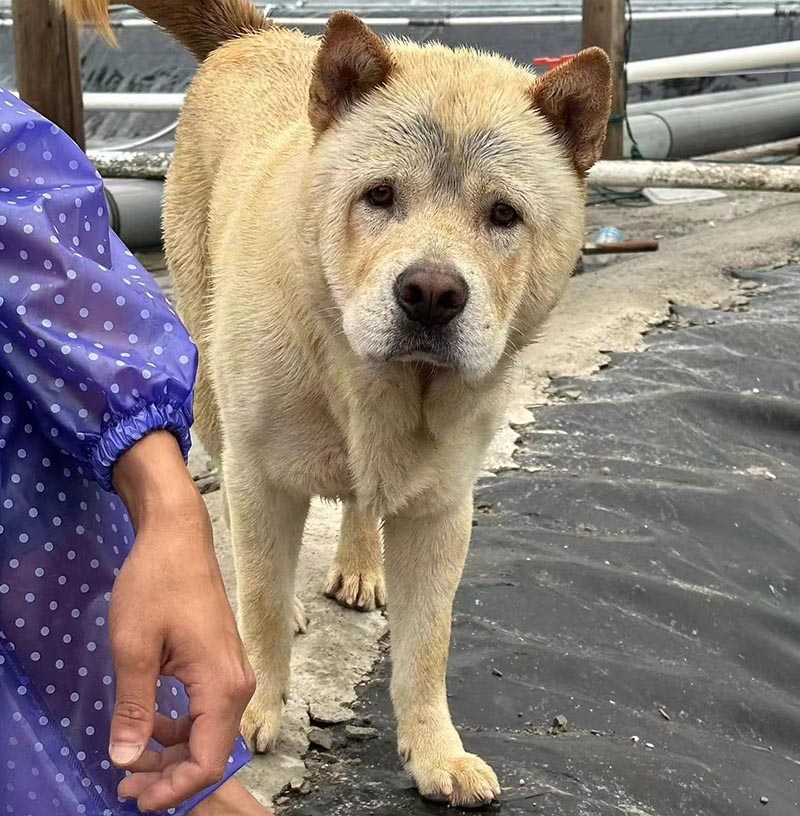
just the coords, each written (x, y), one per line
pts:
(48, 64)
(604, 25)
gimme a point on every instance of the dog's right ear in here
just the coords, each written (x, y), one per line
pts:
(351, 62)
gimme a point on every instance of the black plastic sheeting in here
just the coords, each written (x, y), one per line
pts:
(642, 564)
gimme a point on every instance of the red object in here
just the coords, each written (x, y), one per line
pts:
(552, 62)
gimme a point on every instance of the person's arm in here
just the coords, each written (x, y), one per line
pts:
(88, 339)
(170, 615)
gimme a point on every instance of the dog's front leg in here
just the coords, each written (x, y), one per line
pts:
(266, 530)
(424, 556)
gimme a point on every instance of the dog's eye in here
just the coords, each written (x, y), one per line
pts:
(381, 196)
(503, 215)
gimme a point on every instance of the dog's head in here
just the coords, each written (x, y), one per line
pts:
(446, 192)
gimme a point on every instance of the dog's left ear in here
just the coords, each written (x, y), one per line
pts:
(575, 99)
(351, 62)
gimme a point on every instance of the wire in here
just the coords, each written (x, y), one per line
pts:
(145, 139)
(636, 153)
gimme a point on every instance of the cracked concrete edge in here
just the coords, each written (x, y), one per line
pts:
(608, 309)
(612, 309)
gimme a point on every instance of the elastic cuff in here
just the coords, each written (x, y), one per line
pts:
(116, 439)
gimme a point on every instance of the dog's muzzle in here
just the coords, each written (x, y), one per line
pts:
(430, 297)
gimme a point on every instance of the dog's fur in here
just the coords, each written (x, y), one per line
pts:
(310, 382)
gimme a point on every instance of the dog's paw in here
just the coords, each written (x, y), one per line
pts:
(300, 617)
(260, 727)
(364, 591)
(463, 780)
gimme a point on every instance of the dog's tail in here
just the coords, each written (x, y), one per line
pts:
(200, 25)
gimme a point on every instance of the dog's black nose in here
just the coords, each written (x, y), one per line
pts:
(431, 295)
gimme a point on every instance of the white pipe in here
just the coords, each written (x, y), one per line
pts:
(716, 98)
(771, 55)
(523, 19)
(133, 101)
(540, 19)
(680, 132)
(706, 175)
(151, 102)
(687, 65)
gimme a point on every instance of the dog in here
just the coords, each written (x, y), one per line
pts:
(363, 234)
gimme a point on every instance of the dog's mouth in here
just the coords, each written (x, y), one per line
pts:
(433, 347)
(422, 357)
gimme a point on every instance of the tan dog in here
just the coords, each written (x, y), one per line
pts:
(362, 235)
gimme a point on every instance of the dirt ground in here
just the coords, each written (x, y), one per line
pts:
(606, 308)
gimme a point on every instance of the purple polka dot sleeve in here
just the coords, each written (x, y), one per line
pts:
(85, 334)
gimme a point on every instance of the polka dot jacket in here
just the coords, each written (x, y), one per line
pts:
(92, 358)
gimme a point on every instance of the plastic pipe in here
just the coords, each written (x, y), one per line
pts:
(681, 132)
(134, 207)
(707, 63)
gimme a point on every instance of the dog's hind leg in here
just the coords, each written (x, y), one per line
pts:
(186, 207)
(266, 530)
(424, 557)
(356, 577)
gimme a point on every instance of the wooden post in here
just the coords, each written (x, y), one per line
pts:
(48, 64)
(604, 26)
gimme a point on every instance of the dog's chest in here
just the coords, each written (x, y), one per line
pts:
(395, 462)
(382, 466)
(311, 454)
(386, 443)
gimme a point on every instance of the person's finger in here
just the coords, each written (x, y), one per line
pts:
(214, 733)
(174, 785)
(216, 712)
(167, 731)
(137, 668)
(210, 743)
(134, 785)
(151, 761)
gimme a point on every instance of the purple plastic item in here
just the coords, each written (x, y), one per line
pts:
(92, 358)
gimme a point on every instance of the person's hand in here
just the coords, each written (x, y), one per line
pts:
(170, 616)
